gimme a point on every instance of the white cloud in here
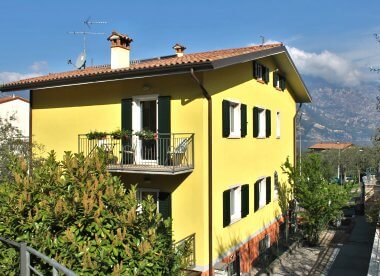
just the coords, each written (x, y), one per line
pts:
(38, 68)
(15, 76)
(328, 66)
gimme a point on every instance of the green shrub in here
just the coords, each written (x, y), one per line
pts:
(320, 202)
(83, 217)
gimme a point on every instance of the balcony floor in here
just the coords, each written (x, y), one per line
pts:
(146, 169)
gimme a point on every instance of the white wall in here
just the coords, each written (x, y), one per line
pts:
(21, 111)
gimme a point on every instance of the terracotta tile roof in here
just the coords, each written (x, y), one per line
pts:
(331, 145)
(170, 61)
(12, 98)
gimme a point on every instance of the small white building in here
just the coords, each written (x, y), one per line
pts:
(19, 107)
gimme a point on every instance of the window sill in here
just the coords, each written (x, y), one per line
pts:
(279, 89)
(261, 137)
(278, 137)
(261, 81)
(233, 221)
(234, 136)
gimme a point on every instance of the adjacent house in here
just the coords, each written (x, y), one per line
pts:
(18, 108)
(205, 135)
(322, 146)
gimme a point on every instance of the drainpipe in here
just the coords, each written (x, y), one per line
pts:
(209, 102)
(295, 134)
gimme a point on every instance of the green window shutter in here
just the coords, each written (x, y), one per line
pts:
(255, 71)
(256, 195)
(126, 114)
(268, 123)
(244, 200)
(164, 114)
(268, 189)
(243, 121)
(275, 79)
(283, 83)
(226, 208)
(164, 128)
(266, 75)
(226, 118)
(255, 122)
(126, 124)
(165, 205)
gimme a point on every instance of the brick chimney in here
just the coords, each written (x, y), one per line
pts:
(120, 50)
(179, 49)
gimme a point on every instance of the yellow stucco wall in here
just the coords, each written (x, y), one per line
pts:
(60, 114)
(245, 160)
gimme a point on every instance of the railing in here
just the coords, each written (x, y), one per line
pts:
(26, 268)
(187, 245)
(165, 153)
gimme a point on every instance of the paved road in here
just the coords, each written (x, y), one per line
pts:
(355, 253)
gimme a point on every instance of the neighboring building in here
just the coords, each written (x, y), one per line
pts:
(224, 122)
(18, 108)
(322, 146)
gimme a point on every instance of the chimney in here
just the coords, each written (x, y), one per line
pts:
(179, 49)
(120, 50)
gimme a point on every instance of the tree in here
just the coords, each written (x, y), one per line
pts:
(77, 213)
(11, 143)
(319, 202)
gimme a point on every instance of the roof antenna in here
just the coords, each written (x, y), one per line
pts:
(82, 57)
(88, 22)
(262, 40)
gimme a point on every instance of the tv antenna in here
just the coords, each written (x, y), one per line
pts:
(88, 22)
(262, 40)
(81, 59)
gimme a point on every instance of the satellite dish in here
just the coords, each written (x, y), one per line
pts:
(81, 61)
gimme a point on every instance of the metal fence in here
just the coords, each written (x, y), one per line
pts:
(27, 269)
(188, 244)
(163, 152)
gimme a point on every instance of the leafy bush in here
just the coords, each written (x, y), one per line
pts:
(11, 143)
(83, 217)
(320, 202)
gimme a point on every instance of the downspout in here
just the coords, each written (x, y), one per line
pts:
(209, 102)
(295, 135)
(30, 131)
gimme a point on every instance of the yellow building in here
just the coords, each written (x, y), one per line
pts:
(207, 134)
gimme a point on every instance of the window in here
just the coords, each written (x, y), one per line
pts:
(260, 72)
(278, 125)
(143, 193)
(234, 119)
(261, 122)
(235, 204)
(279, 82)
(264, 244)
(262, 192)
(276, 186)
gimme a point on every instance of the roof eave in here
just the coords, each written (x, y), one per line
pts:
(303, 95)
(111, 76)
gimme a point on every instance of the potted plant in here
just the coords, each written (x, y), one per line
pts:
(146, 134)
(92, 135)
(116, 134)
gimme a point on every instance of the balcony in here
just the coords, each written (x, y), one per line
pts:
(167, 154)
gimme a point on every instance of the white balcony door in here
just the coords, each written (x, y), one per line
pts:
(144, 116)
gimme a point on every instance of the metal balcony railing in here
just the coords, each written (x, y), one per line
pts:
(26, 268)
(187, 245)
(165, 153)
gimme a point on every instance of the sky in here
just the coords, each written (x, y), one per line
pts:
(329, 40)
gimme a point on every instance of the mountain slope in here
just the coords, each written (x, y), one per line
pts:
(341, 114)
